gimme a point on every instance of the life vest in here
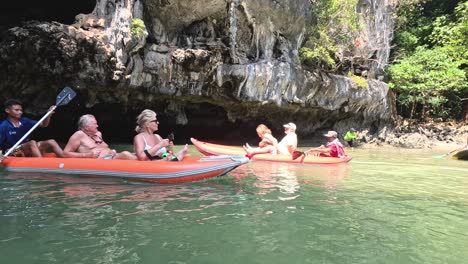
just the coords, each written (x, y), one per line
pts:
(336, 148)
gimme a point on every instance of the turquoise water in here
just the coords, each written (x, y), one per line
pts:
(385, 206)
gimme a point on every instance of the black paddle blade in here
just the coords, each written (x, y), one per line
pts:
(65, 96)
(297, 154)
(170, 137)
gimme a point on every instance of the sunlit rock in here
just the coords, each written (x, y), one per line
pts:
(239, 56)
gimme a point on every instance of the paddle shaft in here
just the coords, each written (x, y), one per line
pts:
(451, 152)
(446, 154)
(31, 130)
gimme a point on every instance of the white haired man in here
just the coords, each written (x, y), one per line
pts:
(87, 142)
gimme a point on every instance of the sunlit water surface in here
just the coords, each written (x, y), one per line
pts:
(385, 206)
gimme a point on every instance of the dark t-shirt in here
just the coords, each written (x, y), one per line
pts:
(9, 134)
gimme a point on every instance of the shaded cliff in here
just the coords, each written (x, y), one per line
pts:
(208, 64)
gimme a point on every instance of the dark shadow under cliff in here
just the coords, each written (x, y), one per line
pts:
(117, 126)
(17, 12)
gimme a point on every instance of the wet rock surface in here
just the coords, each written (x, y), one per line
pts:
(419, 135)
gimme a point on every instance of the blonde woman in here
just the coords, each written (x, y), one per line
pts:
(268, 142)
(150, 146)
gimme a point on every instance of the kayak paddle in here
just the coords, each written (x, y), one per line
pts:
(446, 154)
(63, 98)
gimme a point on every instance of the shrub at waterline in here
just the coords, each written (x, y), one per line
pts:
(425, 80)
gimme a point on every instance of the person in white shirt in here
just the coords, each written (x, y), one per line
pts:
(288, 144)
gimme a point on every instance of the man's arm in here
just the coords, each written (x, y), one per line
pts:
(321, 149)
(71, 149)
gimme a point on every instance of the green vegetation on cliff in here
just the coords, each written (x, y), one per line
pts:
(138, 27)
(358, 80)
(336, 24)
(430, 58)
(428, 68)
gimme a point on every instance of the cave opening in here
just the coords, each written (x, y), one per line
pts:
(17, 12)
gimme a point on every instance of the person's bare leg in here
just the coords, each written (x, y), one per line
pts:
(126, 155)
(181, 154)
(50, 143)
(248, 150)
(31, 149)
(254, 151)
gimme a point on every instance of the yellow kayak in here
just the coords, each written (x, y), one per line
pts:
(461, 155)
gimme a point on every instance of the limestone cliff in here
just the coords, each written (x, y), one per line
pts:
(195, 57)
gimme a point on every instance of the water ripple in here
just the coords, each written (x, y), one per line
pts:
(380, 208)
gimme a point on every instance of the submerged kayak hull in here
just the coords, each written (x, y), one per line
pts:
(189, 169)
(211, 149)
(461, 155)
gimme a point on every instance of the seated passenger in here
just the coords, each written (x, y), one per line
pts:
(267, 144)
(87, 142)
(150, 146)
(15, 126)
(288, 144)
(333, 148)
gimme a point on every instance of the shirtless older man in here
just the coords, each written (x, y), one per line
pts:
(87, 142)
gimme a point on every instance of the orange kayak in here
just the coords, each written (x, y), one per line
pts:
(189, 169)
(211, 149)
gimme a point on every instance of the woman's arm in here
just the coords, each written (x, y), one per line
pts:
(139, 146)
(272, 139)
(274, 143)
(169, 146)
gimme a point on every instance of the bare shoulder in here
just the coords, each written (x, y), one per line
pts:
(137, 137)
(74, 141)
(269, 136)
(78, 135)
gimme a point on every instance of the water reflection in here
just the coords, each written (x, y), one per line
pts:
(85, 192)
(288, 178)
(269, 180)
(374, 209)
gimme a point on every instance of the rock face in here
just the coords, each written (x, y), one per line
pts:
(192, 57)
(373, 44)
